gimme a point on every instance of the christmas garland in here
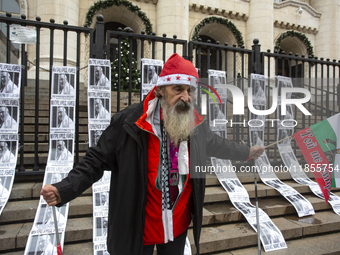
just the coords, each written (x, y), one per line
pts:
(104, 4)
(237, 33)
(299, 35)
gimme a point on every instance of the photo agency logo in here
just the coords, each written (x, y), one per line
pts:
(280, 100)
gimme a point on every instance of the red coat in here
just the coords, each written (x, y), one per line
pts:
(154, 229)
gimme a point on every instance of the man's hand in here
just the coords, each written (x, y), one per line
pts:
(256, 151)
(50, 194)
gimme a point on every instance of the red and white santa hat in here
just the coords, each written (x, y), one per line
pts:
(177, 70)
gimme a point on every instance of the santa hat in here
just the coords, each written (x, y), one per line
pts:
(177, 70)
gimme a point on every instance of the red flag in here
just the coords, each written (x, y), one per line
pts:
(319, 165)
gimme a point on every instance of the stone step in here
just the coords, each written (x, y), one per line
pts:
(233, 236)
(214, 238)
(29, 190)
(45, 129)
(225, 228)
(44, 147)
(29, 157)
(45, 113)
(30, 138)
(327, 244)
(24, 200)
(46, 121)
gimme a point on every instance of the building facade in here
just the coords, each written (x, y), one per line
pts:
(306, 27)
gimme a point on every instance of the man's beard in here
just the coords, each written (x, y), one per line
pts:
(178, 119)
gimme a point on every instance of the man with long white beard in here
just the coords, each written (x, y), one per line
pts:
(152, 150)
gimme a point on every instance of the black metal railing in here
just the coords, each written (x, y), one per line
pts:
(39, 25)
(319, 76)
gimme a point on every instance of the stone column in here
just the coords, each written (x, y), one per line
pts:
(327, 40)
(59, 11)
(172, 19)
(260, 24)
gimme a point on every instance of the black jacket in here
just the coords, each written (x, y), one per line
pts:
(122, 149)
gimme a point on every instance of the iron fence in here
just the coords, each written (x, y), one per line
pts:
(319, 76)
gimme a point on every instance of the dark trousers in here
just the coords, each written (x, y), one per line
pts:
(176, 247)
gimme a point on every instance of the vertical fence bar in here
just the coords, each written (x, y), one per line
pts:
(303, 86)
(185, 47)
(65, 44)
(334, 87)
(119, 69)
(153, 42)
(328, 92)
(226, 60)
(130, 70)
(36, 122)
(21, 167)
(175, 44)
(316, 92)
(234, 63)
(164, 48)
(321, 94)
(8, 41)
(208, 56)
(50, 73)
(310, 89)
(76, 160)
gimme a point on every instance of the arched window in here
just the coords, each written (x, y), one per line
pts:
(204, 57)
(11, 6)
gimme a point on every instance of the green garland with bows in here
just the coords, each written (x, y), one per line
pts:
(104, 4)
(299, 35)
(237, 33)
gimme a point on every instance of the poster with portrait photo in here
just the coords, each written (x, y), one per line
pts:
(217, 115)
(9, 115)
(10, 80)
(217, 77)
(271, 237)
(6, 183)
(100, 225)
(62, 116)
(8, 151)
(257, 137)
(258, 88)
(284, 134)
(95, 132)
(239, 197)
(99, 106)
(233, 186)
(43, 244)
(61, 149)
(257, 122)
(151, 69)
(100, 248)
(283, 82)
(99, 74)
(44, 217)
(63, 82)
(51, 178)
(298, 174)
(301, 204)
(101, 196)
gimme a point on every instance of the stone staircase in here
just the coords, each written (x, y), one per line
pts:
(225, 230)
